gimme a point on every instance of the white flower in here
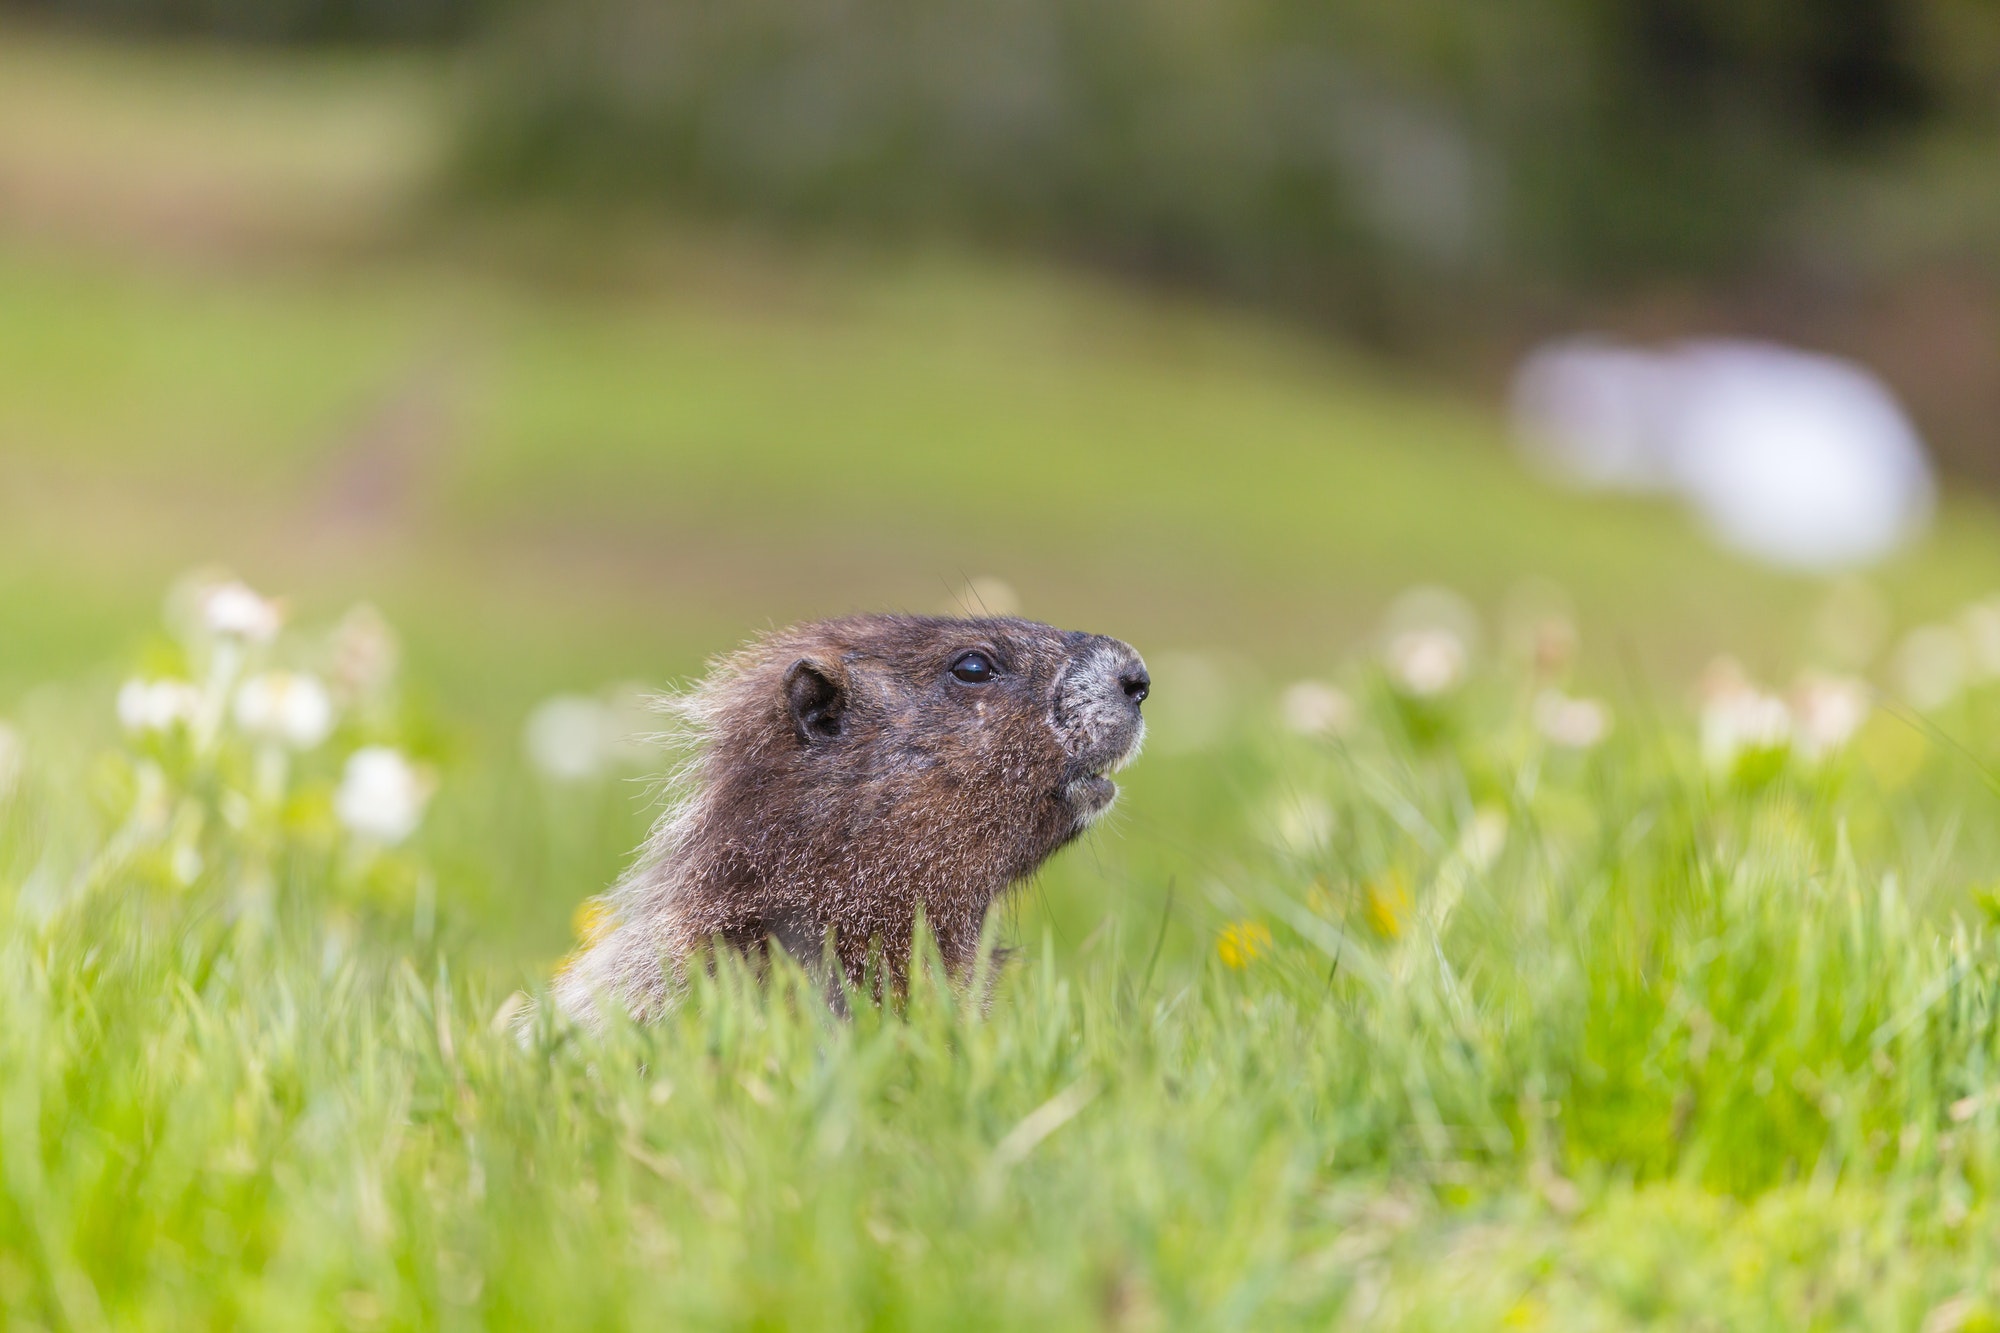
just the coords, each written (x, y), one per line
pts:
(1723, 676)
(157, 705)
(1827, 711)
(364, 651)
(285, 706)
(1930, 666)
(381, 794)
(1301, 824)
(1314, 708)
(569, 737)
(1980, 624)
(1482, 840)
(1552, 643)
(233, 610)
(1574, 724)
(1737, 717)
(11, 760)
(1538, 626)
(1425, 663)
(1429, 638)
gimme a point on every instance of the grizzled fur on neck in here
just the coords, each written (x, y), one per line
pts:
(844, 775)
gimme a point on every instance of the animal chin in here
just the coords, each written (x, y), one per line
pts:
(1090, 795)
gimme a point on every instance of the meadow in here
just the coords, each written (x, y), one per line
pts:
(1507, 964)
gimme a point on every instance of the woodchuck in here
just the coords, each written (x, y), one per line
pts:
(844, 773)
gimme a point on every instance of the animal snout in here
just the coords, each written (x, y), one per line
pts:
(1097, 703)
(1117, 677)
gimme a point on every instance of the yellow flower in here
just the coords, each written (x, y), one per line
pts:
(1319, 900)
(1388, 904)
(590, 921)
(1242, 943)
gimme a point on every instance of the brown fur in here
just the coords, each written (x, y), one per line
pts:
(842, 779)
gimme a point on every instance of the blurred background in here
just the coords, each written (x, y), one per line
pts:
(587, 339)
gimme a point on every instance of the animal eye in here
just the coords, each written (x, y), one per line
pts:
(974, 668)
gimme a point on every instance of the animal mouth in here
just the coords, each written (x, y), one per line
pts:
(1090, 794)
(1091, 791)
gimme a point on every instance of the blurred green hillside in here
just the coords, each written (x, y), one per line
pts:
(289, 358)
(562, 450)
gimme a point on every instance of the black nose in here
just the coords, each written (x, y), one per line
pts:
(1136, 683)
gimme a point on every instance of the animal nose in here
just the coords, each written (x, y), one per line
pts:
(1135, 682)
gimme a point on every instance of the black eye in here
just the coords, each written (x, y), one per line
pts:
(974, 668)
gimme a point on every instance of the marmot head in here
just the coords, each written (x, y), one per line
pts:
(994, 732)
(849, 774)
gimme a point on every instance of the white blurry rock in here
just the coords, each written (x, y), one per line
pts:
(1596, 414)
(1806, 461)
(382, 795)
(1801, 460)
(287, 706)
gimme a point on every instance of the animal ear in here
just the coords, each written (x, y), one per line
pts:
(816, 701)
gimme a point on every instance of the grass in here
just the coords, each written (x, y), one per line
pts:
(1432, 1023)
(1501, 1035)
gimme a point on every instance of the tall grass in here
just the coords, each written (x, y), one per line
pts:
(1503, 1033)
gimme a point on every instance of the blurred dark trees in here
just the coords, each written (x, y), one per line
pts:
(1329, 151)
(287, 21)
(1342, 155)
